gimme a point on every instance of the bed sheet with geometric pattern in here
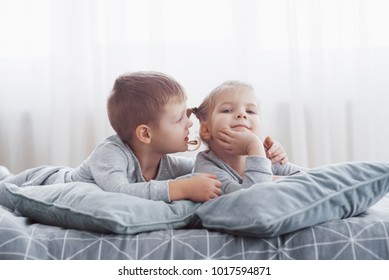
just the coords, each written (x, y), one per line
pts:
(362, 237)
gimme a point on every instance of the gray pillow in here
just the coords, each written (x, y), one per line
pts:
(295, 202)
(264, 210)
(85, 206)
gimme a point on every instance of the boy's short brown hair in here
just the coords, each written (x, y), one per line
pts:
(139, 98)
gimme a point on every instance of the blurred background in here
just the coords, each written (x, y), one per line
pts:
(319, 67)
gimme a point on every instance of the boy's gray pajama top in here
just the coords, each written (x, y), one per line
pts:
(115, 168)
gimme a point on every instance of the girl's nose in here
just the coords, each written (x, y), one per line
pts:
(241, 115)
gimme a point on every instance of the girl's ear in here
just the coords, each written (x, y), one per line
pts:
(204, 131)
(142, 132)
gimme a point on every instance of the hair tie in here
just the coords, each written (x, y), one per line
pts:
(193, 110)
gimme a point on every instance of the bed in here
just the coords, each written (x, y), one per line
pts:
(333, 212)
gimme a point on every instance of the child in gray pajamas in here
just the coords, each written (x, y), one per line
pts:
(230, 125)
(148, 112)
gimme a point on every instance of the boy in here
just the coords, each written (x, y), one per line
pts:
(148, 112)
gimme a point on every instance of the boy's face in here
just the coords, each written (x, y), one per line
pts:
(235, 109)
(171, 134)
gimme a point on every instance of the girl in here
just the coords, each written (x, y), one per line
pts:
(230, 125)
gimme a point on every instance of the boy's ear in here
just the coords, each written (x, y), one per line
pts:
(204, 131)
(142, 132)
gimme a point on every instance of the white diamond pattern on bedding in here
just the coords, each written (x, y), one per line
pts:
(362, 237)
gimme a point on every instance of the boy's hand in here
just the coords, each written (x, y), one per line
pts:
(241, 142)
(274, 151)
(199, 188)
(204, 187)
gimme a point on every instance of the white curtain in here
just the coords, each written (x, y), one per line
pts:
(320, 69)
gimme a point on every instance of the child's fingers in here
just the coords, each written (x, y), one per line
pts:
(217, 183)
(276, 146)
(268, 142)
(277, 158)
(284, 160)
(214, 195)
(209, 175)
(217, 191)
(227, 135)
(275, 152)
(228, 132)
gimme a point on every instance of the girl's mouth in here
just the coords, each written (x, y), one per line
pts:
(240, 126)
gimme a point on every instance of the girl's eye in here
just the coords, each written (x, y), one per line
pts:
(251, 112)
(226, 110)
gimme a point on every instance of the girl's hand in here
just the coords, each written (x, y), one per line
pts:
(274, 151)
(240, 142)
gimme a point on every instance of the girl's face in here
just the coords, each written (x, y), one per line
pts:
(235, 109)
